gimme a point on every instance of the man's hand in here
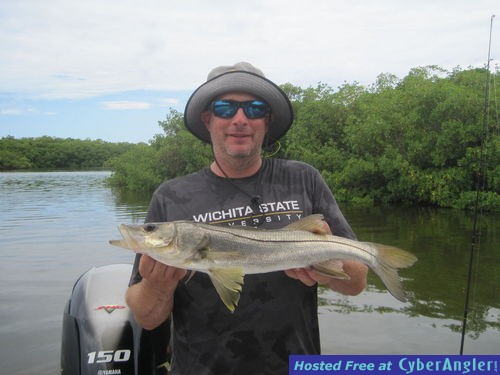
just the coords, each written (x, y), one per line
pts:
(307, 275)
(152, 299)
(159, 275)
(354, 285)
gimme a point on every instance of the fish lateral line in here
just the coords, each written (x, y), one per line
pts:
(326, 241)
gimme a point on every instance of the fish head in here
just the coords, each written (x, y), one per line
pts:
(151, 238)
(173, 243)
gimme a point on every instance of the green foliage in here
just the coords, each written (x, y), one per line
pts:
(172, 154)
(56, 153)
(136, 170)
(179, 152)
(415, 140)
(12, 160)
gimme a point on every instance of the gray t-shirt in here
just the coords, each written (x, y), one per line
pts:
(276, 315)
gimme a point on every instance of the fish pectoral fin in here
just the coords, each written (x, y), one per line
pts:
(207, 253)
(191, 274)
(224, 255)
(121, 243)
(331, 268)
(228, 283)
(313, 223)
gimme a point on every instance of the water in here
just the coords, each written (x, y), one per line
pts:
(53, 227)
(431, 323)
(56, 225)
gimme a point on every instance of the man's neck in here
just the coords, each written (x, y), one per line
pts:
(236, 168)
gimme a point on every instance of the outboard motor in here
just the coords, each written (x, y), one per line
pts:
(99, 333)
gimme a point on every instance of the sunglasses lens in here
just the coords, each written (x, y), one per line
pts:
(224, 108)
(255, 109)
(227, 108)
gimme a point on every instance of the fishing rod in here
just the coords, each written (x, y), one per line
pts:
(480, 184)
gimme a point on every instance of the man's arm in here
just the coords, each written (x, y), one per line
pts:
(152, 299)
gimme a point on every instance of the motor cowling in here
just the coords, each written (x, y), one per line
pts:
(100, 335)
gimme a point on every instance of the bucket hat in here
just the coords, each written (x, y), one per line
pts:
(240, 77)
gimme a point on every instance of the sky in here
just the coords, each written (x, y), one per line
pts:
(112, 69)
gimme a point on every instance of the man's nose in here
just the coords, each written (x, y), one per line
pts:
(240, 116)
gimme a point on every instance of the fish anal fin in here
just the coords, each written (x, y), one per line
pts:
(228, 283)
(313, 223)
(331, 268)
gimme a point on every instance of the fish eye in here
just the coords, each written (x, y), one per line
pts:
(149, 228)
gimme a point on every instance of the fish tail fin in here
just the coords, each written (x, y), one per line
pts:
(390, 259)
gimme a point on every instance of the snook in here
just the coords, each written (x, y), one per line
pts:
(226, 254)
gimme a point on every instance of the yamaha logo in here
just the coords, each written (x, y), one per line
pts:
(110, 308)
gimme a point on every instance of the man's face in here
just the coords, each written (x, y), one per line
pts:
(238, 136)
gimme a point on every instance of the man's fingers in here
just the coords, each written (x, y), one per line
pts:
(146, 266)
(157, 271)
(302, 275)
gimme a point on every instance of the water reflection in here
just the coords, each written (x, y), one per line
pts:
(441, 239)
(131, 204)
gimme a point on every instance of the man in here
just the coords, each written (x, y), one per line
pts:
(238, 111)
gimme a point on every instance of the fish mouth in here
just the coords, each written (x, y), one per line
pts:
(129, 239)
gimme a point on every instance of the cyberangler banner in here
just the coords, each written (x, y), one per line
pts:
(393, 364)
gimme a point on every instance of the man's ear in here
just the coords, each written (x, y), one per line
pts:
(269, 119)
(205, 117)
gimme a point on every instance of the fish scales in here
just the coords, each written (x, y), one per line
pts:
(259, 251)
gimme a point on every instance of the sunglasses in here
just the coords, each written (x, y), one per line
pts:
(253, 109)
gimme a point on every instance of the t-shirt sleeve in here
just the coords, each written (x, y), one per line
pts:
(326, 204)
(135, 277)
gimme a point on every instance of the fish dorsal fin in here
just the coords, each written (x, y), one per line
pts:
(228, 283)
(312, 223)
